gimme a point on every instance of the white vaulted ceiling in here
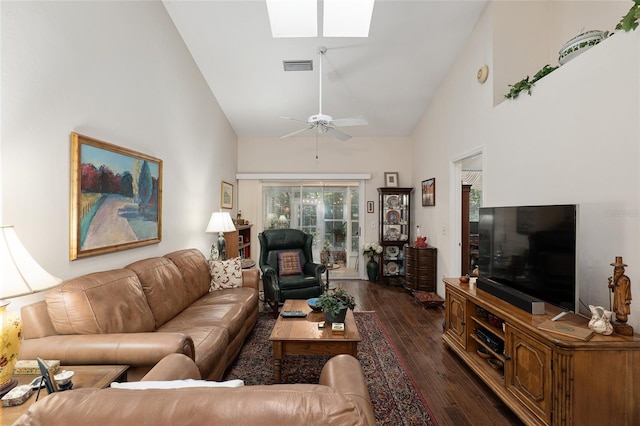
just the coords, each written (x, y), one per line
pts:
(388, 78)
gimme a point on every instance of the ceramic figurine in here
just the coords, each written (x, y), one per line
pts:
(600, 320)
(620, 286)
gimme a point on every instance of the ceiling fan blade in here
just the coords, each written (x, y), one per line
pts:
(297, 132)
(346, 122)
(337, 133)
(293, 119)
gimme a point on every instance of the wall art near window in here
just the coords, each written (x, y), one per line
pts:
(226, 195)
(116, 198)
(429, 192)
(370, 207)
(391, 179)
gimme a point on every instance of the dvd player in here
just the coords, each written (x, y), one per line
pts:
(490, 339)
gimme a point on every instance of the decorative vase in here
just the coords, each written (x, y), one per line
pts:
(324, 257)
(11, 333)
(372, 270)
(339, 317)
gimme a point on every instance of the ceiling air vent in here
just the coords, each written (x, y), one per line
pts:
(306, 65)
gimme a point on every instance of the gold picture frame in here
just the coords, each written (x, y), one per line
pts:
(226, 195)
(115, 198)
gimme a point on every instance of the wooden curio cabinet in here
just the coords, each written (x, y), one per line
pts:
(394, 228)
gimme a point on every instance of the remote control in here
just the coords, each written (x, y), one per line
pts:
(293, 314)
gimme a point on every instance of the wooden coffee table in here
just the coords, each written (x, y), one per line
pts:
(86, 376)
(301, 336)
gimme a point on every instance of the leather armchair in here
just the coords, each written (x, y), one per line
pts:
(279, 288)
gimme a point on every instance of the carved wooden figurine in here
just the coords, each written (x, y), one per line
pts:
(620, 285)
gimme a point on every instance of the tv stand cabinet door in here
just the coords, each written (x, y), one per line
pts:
(528, 373)
(456, 318)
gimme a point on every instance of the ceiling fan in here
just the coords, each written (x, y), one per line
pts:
(323, 123)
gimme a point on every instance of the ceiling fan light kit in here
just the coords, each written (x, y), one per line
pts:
(323, 123)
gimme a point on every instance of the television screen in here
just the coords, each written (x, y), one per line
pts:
(531, 249)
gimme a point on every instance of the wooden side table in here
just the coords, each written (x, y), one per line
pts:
(329, 268)
(86, 376)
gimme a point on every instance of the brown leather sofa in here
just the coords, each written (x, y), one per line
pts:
(340, 398)
(139, 314)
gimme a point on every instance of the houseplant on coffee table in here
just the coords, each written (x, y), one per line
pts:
(334, 304)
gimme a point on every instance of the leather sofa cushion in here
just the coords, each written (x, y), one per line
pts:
(195, 271)
(102, 302)
(164, 287)
(247, 296)
(210, 344)
(231, 317)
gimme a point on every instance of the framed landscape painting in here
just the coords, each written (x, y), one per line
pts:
(116, 198)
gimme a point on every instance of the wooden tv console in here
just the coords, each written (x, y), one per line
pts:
(547, 379)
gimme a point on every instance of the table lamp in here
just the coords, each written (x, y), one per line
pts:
(219, 222)
(19, 275)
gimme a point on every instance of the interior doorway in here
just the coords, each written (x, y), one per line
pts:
(467, 172)
(471, 202)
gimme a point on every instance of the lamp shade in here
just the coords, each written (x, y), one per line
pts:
(220, 222)
(20, 274)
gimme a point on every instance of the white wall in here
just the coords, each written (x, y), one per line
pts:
(298, 155)
(575, 140)
(119, 72)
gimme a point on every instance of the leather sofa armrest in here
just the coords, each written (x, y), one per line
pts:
(173, 367)
(251, 278)
(344, 373)
(134, 349)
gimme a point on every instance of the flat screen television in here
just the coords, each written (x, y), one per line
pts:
(531, 249)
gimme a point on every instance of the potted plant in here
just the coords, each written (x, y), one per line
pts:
(334, 304)
(339, 232)
(371, 250)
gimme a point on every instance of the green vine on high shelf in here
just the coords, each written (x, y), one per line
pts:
(526, 84)
(629, 22)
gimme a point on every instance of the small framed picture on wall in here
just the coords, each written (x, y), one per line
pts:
(226, 195)
(391, 179)
(370, 207)
(429, 192)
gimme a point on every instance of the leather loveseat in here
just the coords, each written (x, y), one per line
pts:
(340, 398)
(139, 314)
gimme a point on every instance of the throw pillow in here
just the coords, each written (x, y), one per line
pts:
(289, 263)
(225, 274)
(177, 384)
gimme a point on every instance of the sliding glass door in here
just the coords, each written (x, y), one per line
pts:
(328, 211)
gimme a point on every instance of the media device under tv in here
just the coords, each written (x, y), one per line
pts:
(527, 255)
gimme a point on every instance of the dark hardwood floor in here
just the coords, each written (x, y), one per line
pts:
(452, 391)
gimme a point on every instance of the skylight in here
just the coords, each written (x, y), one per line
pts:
(299, 18)
(293, 18)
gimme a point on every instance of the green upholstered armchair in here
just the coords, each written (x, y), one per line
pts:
(278, 286)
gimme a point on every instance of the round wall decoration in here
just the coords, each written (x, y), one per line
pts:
(483, 73)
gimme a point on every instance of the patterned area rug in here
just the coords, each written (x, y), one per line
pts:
(395, 399)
